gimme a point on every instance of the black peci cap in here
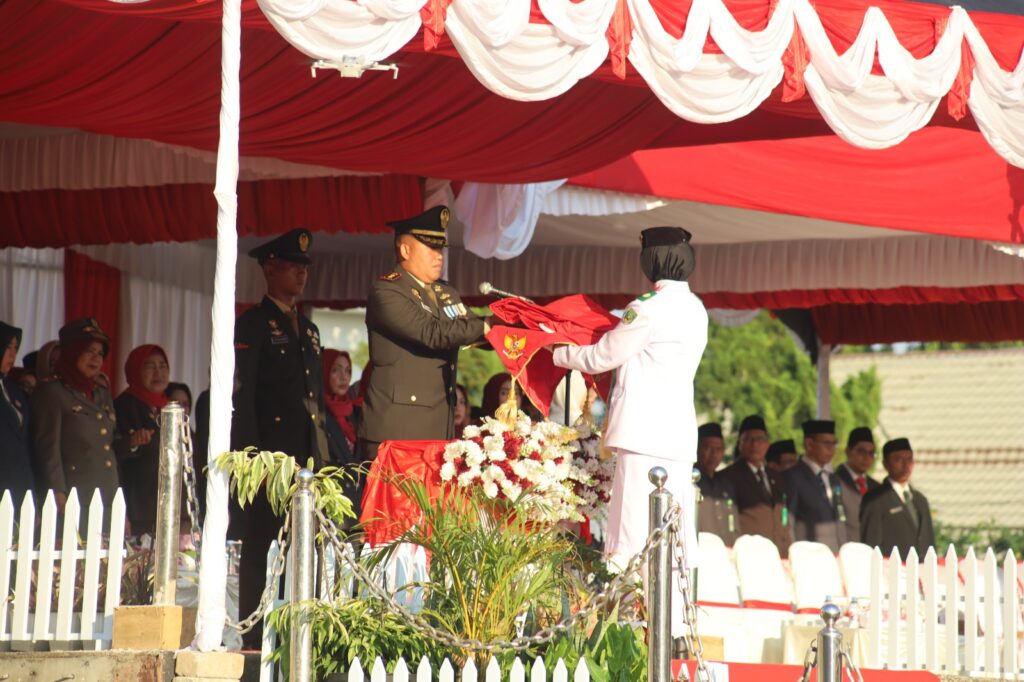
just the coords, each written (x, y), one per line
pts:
(291, 246)
(895, 445)
(861, 434)
(753, 422)
(780, 447)
(709, 430)
(430, 227)
(664, 236)
(813, 427)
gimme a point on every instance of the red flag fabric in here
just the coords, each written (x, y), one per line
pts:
(576, 319)
(386, 511)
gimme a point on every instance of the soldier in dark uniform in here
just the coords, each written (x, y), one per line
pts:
(278, 396)
(716, 512)
(416, 323)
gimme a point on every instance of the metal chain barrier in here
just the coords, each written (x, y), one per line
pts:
(852, 671)
(696, 646)
(270, 589)
(191, 476)
(622, 583)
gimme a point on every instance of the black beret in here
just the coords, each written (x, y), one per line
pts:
(861, 434)
(430, 227)
(813, 427)
(895, 445)
(664, 236)
(711, 429)
(780, 447)
(753, 422)
(291, 246)
(85, 328)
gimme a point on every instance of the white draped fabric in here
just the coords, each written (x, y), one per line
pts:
(47, 158)
(528, 61)
(32, 294)
(499, 220)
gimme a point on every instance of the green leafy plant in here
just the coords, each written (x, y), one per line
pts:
(361, 629)
(612, 651)
(273, 473)
(982, 536)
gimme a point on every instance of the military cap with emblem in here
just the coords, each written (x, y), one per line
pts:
(84, 328)
(664, 236)
(291, 246)
(429, 227)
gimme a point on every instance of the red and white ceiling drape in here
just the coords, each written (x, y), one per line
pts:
(873, 94)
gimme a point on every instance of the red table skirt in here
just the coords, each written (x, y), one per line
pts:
(766, 672)
(386, 512)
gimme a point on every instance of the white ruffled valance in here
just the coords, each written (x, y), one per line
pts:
(532, 61)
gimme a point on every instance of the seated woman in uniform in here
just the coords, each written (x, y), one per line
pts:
(73, 424)
(138, 412)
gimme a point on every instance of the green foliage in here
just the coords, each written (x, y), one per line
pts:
(274, 474)
(613, 652)
(757, 369)
(357, 628)
(488, 565)
(982, 536)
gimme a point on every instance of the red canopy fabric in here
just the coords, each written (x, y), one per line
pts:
(93, 289)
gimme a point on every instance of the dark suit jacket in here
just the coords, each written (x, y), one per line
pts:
(852, 501)
(140, 469)
(15, 445)
(278, 394)
(885, 522)
(760, 512)
(414, 347)
(717, 511)
(814, 517)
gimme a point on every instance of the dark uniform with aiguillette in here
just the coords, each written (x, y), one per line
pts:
(278, 404)
(415, 331)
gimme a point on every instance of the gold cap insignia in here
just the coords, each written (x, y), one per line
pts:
(303, 242)
(445, 215)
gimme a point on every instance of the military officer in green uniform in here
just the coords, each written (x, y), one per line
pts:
(278, 393)
(416, 323)
(73, 424)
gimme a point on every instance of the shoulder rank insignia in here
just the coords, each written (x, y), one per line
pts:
(628, 316)
(391, 277)
(649, 295)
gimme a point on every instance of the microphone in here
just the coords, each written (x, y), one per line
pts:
(487, 290)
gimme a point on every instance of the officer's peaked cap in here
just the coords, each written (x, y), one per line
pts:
(291, 246)
(429, 227)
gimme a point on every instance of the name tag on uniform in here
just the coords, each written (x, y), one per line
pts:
(278, 340)
(896, 510)
(426, 307)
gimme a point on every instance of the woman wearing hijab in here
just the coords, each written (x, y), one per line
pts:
(74, 430)
(138, 413)
(652, 421)
(15, 440)
(46, 360)
(341, 417)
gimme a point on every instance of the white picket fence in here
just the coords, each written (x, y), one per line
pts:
(951, 616)
(538, 672)
(31, 611)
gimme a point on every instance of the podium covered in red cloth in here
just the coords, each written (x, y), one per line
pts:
(386, 511)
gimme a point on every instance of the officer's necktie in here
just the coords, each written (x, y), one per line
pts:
(909, 501)
(763, 481)
(432, 296)
(862, 485)
(293, 315)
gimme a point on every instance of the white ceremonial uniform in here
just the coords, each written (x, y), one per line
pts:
(651, 420)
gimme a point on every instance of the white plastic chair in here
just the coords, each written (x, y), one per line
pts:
(763, 579)
(717, 582)
(816, 576)
(855, 568)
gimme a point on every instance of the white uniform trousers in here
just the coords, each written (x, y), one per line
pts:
(629, 512)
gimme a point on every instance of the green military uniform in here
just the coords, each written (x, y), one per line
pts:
(415, 332)
(75, 436)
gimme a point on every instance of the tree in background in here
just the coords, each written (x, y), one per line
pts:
(756, 368)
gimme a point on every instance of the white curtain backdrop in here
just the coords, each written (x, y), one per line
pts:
(32, 294)
(499, 220)
(528, 61)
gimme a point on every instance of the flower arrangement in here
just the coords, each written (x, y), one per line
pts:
(543, 466)
(596, 492)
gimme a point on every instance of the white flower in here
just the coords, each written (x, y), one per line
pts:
(491, 489)
(448, 471)
(492, 443)
(470, 432)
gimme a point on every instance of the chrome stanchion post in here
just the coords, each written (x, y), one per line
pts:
(696, 525)
(168, 502)
(659, 584)
(830, 645)
(301, 649)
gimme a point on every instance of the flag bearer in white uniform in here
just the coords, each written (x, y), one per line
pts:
(651, 420)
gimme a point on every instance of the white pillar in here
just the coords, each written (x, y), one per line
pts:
(824, 397)
(213, 562)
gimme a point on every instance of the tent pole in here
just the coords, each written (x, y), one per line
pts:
(213, 563)
(824, 380)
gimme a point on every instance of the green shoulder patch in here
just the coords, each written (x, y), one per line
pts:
(391, 277)
(648, 295)
(628, 316)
